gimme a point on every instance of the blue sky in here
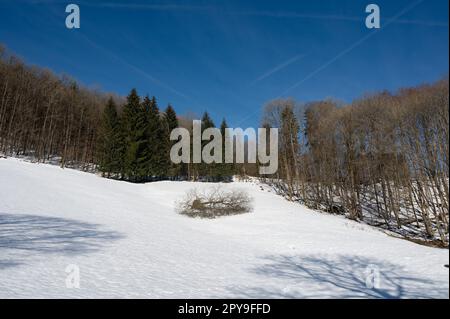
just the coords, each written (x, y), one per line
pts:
(230, 57)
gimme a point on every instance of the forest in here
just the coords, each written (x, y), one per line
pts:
(382, 159)
(53, 119)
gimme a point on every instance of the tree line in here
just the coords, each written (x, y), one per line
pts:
(42, 115)
(51, 118)
(135, 145)
(382, 159)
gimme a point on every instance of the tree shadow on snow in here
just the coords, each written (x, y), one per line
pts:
(8, 263)
(339, 277)
(47, 235)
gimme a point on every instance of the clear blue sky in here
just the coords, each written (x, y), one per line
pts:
(230, 57)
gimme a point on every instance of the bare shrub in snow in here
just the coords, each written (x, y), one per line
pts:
(214, 202)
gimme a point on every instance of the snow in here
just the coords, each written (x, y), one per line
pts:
(129, 242)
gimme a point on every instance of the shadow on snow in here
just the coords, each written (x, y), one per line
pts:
(48, 235)
(338, 277)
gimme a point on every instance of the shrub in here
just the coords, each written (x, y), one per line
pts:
(214, 203)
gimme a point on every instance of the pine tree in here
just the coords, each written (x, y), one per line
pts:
(171, 117)
(121, 148)
(141, 140)
(207, 170)
(158, 140)
(172, 123)
(162, 145)
(151, 115)
(134, 126)
(225, 170)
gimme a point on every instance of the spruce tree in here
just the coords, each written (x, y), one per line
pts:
(172, 123)
(207, 170)
(107, 152)
(134, 125)
(171, 117)
(225, 170)
(151, 116)
(162, 143)
(163, 147)
(121, 148)
(141, 140)
(158, 140)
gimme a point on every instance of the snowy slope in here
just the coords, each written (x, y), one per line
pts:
(128, 241)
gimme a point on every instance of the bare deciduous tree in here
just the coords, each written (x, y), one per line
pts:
(382, 159)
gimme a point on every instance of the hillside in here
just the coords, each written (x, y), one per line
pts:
(128, 241)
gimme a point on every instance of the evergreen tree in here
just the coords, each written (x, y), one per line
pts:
(172, 123)
(163, 144)
(151, 115)
(108, 148)
(134, 125)
(163, 147)
(158, 137)
(207, 170)
(142, 141)
(225, 171)
(121, 148)
(171, 117)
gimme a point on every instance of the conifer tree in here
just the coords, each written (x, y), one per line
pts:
(151, 116)
(225, 170)
(163, 145)
(121, 148)
(158, 140)
(172, 123)
(107, 153)
(141, 140)
(171, 117)
(207, 170)
(134, 125)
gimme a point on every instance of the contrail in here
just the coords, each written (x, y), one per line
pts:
(346, 51)
(146, 6)
(284, 14)
(121, 60)
(424, 23)
(278, 68)
(136, 69)
(144, 74)
(353, 46)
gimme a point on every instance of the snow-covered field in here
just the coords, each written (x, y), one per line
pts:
(128, 241)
